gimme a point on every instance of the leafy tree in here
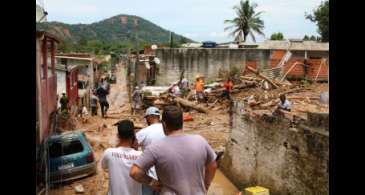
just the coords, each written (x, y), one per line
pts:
(246, 22)
(306, 38)
(82, 41)
(313, 38)
(321, 17)
(183, 40)
(277, 36)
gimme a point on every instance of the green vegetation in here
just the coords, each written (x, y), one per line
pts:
(234, 71)
(311, 38)
(321, 17)
(277, 36)
(247, 22)
(110, 35)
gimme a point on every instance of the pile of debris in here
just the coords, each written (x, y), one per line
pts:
(65, 121)
(257, 91)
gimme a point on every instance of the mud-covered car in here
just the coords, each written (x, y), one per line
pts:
(70, 157)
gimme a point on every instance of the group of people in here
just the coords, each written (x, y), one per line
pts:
(199, 88)
(168, 162)
(161, 158)
(99, 94)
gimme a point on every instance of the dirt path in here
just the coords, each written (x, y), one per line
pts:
(102, 134)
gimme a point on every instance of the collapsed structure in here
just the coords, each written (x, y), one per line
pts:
(272, 58)
(286, 152)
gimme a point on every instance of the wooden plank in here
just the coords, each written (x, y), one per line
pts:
(262, 76)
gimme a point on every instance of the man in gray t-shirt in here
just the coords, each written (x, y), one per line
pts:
(185, 164)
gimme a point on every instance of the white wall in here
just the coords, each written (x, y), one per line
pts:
(39, 14)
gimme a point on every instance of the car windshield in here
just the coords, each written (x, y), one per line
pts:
(59, 148)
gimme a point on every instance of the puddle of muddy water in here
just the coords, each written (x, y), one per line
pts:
(221, 185)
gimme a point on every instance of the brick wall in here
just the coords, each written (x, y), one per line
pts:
(314, 65)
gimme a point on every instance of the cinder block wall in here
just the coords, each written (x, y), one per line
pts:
(265, 151)
(204, 61)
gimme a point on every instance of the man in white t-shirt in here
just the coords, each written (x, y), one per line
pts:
(118, 162)
(284, 103)
(145, 137)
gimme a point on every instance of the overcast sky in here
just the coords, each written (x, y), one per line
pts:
(200, 20)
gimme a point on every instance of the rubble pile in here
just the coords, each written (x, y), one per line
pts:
(258, 93)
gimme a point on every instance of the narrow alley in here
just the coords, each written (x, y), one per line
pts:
(261, 106)
(102, 134)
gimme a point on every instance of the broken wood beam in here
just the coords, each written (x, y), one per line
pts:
(291, 91)
(190, 104)
(250, 78)
(245, 84)
(235, 89)
(269, 103)
(263, 77)
(302, 98)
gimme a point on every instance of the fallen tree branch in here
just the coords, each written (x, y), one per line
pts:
(190, 104)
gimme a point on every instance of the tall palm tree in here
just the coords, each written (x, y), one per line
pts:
(246, 22)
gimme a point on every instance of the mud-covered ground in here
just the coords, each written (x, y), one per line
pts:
(102, 134)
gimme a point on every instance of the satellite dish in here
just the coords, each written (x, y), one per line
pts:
(157, 61)
(154, 47)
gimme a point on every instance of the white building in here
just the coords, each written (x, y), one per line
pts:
(40, 14)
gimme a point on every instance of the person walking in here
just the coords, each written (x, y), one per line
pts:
(184, 87)
(106, 85)
(94, 104)
(64, 102)
(118, 161)
(136, 100)
(104, 105)
(185, 164)
(228, 86)
(145, 137)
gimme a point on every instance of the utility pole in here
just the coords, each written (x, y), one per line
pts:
(171, 39)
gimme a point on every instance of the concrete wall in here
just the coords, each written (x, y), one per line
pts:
(204, 61)
(265, 151)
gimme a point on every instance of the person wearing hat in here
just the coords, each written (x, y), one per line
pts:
(145, 137)
(118, 161)
(199, 88)
(64, 101)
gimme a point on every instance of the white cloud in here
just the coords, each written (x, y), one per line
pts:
(196, 19)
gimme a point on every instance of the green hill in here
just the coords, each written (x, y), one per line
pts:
(112, 31)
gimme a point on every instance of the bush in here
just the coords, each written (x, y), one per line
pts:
(234, 71)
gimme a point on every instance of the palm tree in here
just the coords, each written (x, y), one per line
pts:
(246, 22)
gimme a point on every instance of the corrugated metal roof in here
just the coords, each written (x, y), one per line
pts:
(41, 32)
(299, 46)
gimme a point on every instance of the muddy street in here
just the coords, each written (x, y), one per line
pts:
(102, 134)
